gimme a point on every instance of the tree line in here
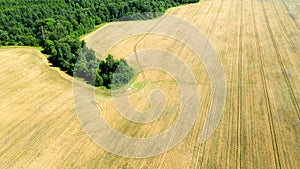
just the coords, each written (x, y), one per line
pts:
(56, 25)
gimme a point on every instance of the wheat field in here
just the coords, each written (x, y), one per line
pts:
(258, 44)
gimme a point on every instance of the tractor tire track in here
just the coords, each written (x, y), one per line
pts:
(247, 117)
(257, 47)
(204, 150)
(199, 151)
(196, 152)
(279, 59)
(240, 86)
(289, 12)
(267, 97)
(285, 32)
(231, 105)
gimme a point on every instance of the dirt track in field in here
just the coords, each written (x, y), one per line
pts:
(259, 46)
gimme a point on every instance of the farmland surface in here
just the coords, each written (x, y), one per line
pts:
(258, 44)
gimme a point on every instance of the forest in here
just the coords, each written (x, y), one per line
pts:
(56, 25)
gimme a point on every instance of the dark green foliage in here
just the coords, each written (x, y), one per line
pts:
(64, 53)
(115, 73)
(87, 65)
(30, 22)
(110, 73)
(56, 25)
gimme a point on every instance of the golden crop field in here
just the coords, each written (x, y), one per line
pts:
(258, 42)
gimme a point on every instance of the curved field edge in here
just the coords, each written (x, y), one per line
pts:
(259, 128)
